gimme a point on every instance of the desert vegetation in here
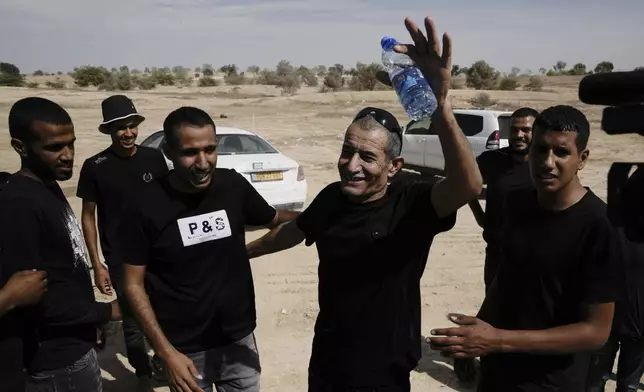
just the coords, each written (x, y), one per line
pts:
(287, 77)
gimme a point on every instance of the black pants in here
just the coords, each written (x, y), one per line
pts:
(137, 353)
(328, 384)
(630, 366)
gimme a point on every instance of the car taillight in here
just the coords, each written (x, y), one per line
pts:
(300, 173)
(494, 141)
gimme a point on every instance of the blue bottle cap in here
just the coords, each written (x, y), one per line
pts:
(388, 43)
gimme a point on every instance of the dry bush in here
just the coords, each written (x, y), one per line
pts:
(509, 84)
(333, 81)
(267, 78)
(57, 84)
(207, 81)
(235, 79)
(456, 84)
(364, 77)
(535, 84)
(483, 100)
(289, 83)
(144, 82)
(91, 76)
(32, 85)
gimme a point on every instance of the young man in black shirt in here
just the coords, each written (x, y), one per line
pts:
(22, 289)
(109, 180)
(552, 301)
(504, 171)
(185, 234)
(373, 239)
(41, 232)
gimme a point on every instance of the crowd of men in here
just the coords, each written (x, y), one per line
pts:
(175, 257)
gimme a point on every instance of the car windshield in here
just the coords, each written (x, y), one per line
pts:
(231, 144)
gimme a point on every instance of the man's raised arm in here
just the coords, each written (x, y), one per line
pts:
(463, 180)
(284, 236)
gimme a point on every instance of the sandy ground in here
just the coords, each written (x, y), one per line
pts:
(308, 127)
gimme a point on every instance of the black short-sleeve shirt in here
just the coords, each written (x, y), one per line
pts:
(555, 263)
(111, 181)
(503, 175)
(39, 231)
(372, 257)
(198, 275)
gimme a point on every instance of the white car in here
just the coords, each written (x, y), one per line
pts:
(485, 130)
(278, 178)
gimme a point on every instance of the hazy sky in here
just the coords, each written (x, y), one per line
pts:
(56, 35)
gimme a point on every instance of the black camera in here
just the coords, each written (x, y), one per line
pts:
(623, 94)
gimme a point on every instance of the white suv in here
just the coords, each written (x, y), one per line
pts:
(485, 130)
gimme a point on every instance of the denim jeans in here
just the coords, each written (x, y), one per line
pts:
(232, 368)
(84, 375)
(135, 348)
(630, 366)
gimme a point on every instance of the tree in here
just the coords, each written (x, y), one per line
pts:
(509, 84)
(337, 68)
(481, 76)
(560, 66)
(10, 75)
(578, 69)
(604, 67)
(535, 84)
(365, 78)
(515, 71)
(228, 70)
(207, 70)
(307, 76)
(542, 71)
(91, 76)
(284, 68)
(253, 69)
(456, 70)
(320, 70)
(639, 69)
(38, 73)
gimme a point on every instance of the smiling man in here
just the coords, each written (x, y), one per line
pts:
(107, 181)
(373, 237)
(187, 275)
(552, 301)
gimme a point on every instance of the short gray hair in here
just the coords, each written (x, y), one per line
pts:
(394, 141)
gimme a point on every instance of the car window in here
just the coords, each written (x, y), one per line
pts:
(421, 127)
(504, 126)
(154, 140)
(228, 144)
(470, 124)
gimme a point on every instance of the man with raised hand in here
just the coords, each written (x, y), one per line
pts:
(373, 238)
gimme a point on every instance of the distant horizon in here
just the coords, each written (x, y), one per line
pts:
(49, 36)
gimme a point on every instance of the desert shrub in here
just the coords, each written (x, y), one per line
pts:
(483, 100)
(284, 68)
(57, 84)
(456, 84)
(551, 73)
(164, 77)
(534, 84)
(197, 75)
(90, 76)
(10, 75)
(146, 82)
(333, 81)
(308, 76)
(481, 76)
(364, 78)
(253, 69)
(38, 73)
(578, 69)
(235, 79)
(508, 84)
(32, 85)
(230, 69)
(268, 78)
(208, 72)
(638, 69)
(207, 81)
(289, 83)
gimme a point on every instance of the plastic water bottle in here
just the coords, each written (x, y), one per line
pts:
(415, 95)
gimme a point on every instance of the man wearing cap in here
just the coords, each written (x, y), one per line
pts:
(107, 181)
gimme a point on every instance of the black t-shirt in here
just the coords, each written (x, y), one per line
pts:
(11, 328)
(111, 181)
(40, 231)
(554, 263)
(372, 257)
(629, 310)
(503, 175)
(198, 275)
